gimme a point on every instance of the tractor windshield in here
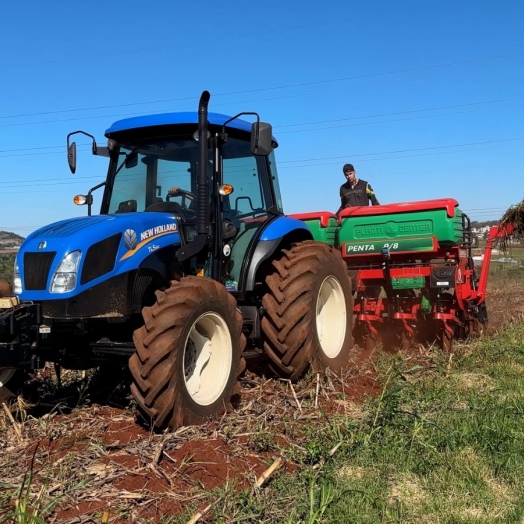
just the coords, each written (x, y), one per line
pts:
(149, 171)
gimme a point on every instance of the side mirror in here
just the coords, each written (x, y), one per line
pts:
(131, 160)
(229, 230)
(261, 139)
(71, 149)
(71, 157)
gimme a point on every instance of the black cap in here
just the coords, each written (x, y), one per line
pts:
(348, 167)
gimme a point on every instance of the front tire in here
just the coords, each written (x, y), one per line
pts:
(308, 311)
(188, 354)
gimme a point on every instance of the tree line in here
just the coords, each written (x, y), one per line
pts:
(7, 235)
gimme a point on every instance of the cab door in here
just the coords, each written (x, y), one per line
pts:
(246, 208)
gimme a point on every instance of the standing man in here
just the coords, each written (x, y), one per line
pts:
(355, 192)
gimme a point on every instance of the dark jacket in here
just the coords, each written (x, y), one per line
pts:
(359, 195)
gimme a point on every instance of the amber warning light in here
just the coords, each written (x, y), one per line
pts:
(226, 189)
(80, 200)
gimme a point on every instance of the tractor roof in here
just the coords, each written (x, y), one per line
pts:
(165, 119)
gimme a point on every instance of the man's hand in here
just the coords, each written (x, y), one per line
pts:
(173, 191)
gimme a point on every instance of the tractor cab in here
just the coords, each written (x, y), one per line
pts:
(226, 192)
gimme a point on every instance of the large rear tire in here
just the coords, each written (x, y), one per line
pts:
(188, 354)
(308, 311)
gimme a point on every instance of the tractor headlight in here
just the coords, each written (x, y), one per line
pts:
(64, 278)
(17, 281)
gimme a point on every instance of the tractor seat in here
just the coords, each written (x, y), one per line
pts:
(166, 207)
(128, 206)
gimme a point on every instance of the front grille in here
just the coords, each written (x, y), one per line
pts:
(100, 258)
(36, 270)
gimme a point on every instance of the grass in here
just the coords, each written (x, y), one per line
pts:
(441, 444)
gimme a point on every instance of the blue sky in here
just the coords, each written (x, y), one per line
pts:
(425, 98)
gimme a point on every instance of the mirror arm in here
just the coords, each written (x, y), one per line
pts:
(101, 151)
(93, 145)
(90, 197)
(223, 134)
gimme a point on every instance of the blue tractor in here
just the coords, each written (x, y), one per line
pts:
(190, 267)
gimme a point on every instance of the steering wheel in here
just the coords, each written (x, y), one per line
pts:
(187, 199)
(186, 196)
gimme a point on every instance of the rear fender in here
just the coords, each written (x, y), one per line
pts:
(280, 234)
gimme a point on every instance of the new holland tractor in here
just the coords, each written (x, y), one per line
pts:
(189, 267)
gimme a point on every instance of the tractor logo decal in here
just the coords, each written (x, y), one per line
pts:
(391, 229)
(394, 229)
(42, 245)
(130, 239)
(158, 230)
(146, 237)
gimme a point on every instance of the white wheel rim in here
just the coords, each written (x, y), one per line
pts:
(6, 375)
(331, 317)
(208, 356)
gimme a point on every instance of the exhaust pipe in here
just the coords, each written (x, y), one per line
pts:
(202, 188)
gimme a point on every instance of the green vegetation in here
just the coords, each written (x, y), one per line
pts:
(442, 443)
(7, 262)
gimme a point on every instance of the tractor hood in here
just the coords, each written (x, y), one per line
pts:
(104, 246)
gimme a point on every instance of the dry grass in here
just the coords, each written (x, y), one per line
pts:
(407, 489)
(478, 381)
(514, 216)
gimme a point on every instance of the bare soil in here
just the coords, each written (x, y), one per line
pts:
(86, 449)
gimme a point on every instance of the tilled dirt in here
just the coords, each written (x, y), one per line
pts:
(96, 458)
(85, 450)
